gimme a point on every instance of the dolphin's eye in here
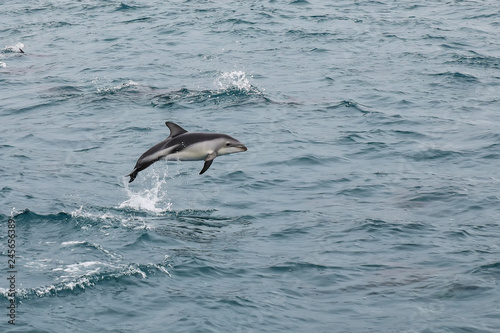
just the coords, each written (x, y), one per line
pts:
(228, 144)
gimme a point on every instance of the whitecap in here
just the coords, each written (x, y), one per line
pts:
(87, 274)
(71, 243)
(76, 268)
(80, 213)
(18, 48)
(112, 90)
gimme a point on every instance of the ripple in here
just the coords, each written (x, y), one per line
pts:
(476, 60)
(350, 105)
(462, 291)
(378, 225)
(492, 270)
(434, 154)
(126, 7)
(457, 76)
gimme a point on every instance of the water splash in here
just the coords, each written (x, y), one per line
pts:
(153, 199)
(18, 48)
(14, 212)
(232, 80)
(230, 87)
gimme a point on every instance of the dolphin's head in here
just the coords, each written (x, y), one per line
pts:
(230, 146)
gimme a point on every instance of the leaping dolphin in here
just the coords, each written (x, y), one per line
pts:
(185, 146)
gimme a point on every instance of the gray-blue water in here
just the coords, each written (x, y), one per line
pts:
(368, 199)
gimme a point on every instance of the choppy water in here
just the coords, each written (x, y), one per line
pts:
(368, 200)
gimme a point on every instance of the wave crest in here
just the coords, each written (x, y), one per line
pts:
(18, 48)
(96, 272)
(231, 87)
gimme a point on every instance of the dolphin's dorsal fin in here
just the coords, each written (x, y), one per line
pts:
(175, 129)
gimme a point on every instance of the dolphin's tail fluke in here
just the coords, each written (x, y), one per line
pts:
(132, 175)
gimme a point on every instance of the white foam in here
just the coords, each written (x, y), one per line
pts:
(110, 219)
(85, 274)
(80, 213)
(162, 269)
(153, 199)
(71, 243)
(76, 268)
(3, 64)
(235, 79)
(124, 85)
(16, 48)
(94, 245)
(117, 88)
(38, 265)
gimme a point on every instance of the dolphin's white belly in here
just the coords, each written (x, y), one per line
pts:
(195, 152)
(186, 156)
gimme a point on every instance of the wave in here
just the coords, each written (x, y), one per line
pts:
(76, 260)
(85, 275)
(80, 219)
(457, 76)
(305, 160)
(126, 7)
(349, 104)
(18, 48)
(490, 270)
(112, 90)
(232, 87)
(184, 98)
(476, 60)
(299, 2)
(141, 19)
(130, 217)
(377, 225)
(419, 196)
(26, 215)
(90, 246)
(434, 154)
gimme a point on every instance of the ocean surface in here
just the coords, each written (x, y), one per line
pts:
(368, 199)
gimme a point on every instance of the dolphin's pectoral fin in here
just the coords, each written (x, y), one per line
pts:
(206, 166)
(208, 162)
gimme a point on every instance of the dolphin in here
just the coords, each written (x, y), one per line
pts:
(185, 146)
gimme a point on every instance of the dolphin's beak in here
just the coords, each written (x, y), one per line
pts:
(243, 147)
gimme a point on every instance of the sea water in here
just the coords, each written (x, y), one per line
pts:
(368, 199)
